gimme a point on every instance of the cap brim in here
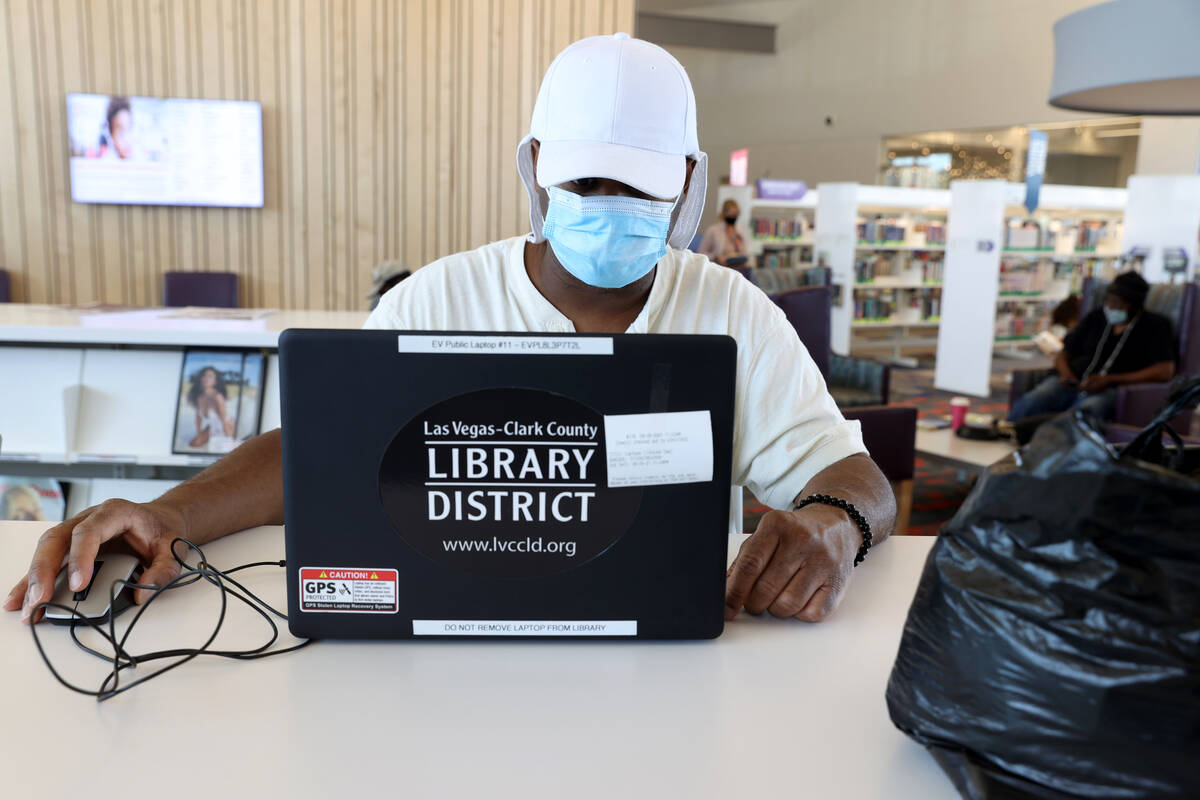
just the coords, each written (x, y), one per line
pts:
(656, 174)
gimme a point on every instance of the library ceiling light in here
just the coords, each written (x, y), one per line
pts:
(1128, 57)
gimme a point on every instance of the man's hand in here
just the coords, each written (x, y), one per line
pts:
(146, 529)
(1094, 384)
(797, 564)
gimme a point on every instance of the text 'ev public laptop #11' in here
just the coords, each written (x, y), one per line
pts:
(519, 485)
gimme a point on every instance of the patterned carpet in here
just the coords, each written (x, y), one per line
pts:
(937, 491)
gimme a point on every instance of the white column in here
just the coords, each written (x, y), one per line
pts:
(974, 240)
(837, 206)
(1169, 146)
(1163, 212)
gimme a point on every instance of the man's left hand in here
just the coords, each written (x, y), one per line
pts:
(1095, 384)
(797, 564)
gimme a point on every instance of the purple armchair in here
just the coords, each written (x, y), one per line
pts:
(208, 289)
(1137, 404)
(851, 381)
(3, 286)
(890, 433)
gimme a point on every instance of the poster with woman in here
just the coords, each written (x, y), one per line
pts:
(220, 401)
(31, 499)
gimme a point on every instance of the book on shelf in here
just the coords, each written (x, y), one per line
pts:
(769, 228)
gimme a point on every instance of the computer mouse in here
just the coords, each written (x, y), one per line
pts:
(93, 601)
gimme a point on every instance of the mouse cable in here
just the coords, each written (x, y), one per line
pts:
(120, 659)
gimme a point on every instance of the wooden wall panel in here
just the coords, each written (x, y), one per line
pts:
(389, 132)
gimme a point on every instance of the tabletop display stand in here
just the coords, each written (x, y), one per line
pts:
(95, 405)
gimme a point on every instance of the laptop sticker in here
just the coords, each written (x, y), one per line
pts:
(657, 449)
(508, 627)
(507, 482)
(348, 591)
(507, 345)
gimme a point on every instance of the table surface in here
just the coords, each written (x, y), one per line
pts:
(771, 708)
(22, 322)
(942, 445)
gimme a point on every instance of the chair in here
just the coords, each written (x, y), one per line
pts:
(890, 434)
(851, 381)
(808, 311)
(208, 289)
(1137, 404)
(3, 286)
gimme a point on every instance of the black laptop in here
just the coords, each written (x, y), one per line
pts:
(444, 484)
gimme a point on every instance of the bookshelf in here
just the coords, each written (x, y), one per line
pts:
(780, 231)
(884, 247)
(1006, 269)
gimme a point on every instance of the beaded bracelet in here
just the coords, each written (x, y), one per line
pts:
(851, 511)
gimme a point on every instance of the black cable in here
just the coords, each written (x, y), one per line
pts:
(120, 659)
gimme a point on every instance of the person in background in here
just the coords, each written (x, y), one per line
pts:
(385, 275)
(1119, 343)
(1062, 320)
(724, 242)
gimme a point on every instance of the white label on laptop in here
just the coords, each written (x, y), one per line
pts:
(340, 590)
(510, 627)
(507, 345)
(657, 449)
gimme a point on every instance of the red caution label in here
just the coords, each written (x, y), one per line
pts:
(349, 590)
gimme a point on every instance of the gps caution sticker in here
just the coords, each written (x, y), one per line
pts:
(348, 591)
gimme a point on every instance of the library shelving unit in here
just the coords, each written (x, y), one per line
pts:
(884, 247)
(780, 231)
(1007, 269)
(90, 396)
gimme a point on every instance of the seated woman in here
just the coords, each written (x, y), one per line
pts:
(1120, 343)
(724, 242)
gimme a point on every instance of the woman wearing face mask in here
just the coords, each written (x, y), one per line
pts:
(724, 242)
(1119, 343)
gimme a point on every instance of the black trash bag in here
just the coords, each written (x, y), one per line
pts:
(1052, 649)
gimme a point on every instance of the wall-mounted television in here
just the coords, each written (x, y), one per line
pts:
(165, 151)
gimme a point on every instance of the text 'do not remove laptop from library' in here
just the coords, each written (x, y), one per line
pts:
(513, 485)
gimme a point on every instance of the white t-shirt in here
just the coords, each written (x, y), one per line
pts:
(786, 427)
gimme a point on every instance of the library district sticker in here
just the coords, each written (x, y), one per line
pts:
(339, 590)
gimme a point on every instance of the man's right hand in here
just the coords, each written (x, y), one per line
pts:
(145, 528)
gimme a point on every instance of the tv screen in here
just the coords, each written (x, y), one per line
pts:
(165, 151)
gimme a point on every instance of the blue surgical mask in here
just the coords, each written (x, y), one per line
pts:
(1116, 316)
(606, 241)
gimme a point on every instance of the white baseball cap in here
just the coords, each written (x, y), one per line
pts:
(618, 108)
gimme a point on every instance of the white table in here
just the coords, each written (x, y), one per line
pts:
(773, 708)
(974, 455)
(26, 323)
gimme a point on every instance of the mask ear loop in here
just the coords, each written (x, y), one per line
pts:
(538, 199)
(691, 205)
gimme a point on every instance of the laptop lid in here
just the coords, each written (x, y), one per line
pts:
(467, 484)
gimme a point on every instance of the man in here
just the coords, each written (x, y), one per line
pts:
(614, 174)
(1117, 344)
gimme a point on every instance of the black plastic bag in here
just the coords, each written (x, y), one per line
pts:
(1052, 649)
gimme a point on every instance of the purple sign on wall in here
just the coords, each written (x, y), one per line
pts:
(778, 189)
